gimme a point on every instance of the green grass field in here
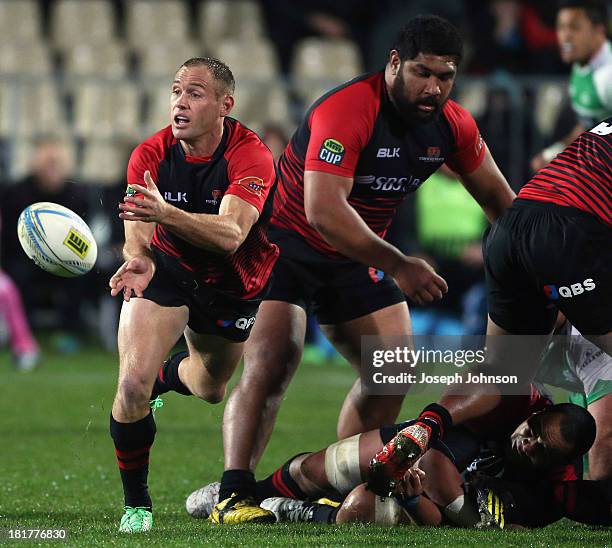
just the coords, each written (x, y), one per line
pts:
(59, 468)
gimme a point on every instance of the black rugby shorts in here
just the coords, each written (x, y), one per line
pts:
(540, 258)
(211, 312)
(335, 291)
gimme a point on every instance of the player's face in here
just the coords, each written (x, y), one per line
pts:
(422, 86)
(576, 35)
(197, 104)
(537, 443)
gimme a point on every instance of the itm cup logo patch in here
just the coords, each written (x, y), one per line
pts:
(332, 152)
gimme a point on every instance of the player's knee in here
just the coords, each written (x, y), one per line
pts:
(278, 361)
(359, 506)
(134, 391)
(211, 394)
(342, 464)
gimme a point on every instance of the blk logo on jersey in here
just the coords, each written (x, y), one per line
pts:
(255, 185)
(175, 197)
(388, 152)
(567, 292)
(332, 152)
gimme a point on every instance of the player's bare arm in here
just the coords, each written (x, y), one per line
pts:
(327, 209)
(139, 266)
(489, 187)
(223, 233)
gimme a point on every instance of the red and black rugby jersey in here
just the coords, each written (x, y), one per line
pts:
(355, 131)
(241, 165)
(580, 176)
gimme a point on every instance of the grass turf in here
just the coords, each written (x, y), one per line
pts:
(59, 468)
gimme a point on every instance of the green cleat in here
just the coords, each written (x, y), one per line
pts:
(136, 520)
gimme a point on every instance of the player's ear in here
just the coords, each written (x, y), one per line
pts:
(227, 104)
(394, 61)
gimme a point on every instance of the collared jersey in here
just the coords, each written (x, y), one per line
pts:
(590, 87)
(355, 131)
(241, 165)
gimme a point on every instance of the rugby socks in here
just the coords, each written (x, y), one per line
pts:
(132, 444)
(436, 420)
(168, 377)
(280, 484)
(239, 482)
(324, 514)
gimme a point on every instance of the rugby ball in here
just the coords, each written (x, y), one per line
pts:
(57, 239)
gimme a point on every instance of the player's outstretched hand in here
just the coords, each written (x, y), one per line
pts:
(147, 205)
(419, 281)
(133, 275)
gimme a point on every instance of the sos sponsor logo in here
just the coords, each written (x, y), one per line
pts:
(567, 292)
(389, 184)
(255, 185)
(332, 152)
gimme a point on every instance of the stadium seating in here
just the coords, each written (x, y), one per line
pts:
(219, 20)
(249, 61)
(102, 68)
(20, 21)
(31, 107)
(75, 22)
(163, 22)
(159, 61)
(321, 62)
(108, 60)
(107, 109)
(30, 58)
(103, 162)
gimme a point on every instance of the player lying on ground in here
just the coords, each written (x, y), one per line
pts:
(549, 252)
(455, 483)
(576, 364)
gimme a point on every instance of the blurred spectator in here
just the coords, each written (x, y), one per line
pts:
(12, 314)
(581, 32)
(289, 22)
(390, 15)
(512, 35)
(50, 301)
(275, 138)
